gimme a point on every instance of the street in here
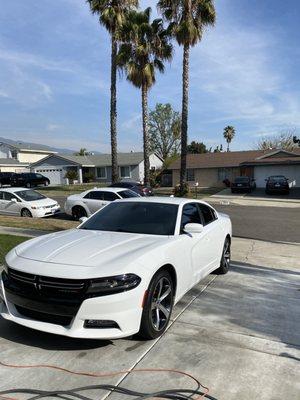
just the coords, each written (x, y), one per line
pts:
(274, 224)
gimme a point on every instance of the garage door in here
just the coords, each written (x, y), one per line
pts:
(55, 175)
(289, 171)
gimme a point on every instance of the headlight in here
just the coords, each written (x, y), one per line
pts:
(36, 208)
(112, 285)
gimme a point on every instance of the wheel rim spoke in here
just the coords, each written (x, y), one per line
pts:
(161, 304)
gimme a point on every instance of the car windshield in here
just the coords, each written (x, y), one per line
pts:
(30, 195)
(135, 217)
(242, 179)
(126, 194)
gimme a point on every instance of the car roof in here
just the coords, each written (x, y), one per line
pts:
(14, 189)
(164, 200)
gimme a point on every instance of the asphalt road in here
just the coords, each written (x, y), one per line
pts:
(274, 224)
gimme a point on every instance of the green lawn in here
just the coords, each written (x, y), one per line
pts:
(44, 224)
(7, 242)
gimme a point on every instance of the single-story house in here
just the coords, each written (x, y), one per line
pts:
(210, 169)
(131, 166)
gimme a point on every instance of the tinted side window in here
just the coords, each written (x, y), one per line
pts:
(109, 196)
(208, 214)
(1, 195)
(96, 195)
(190, 214)
(8, 196)
(126, 194)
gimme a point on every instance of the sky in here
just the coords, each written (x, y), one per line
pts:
(55, 76)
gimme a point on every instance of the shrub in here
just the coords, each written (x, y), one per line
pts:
(72, 175)
(181, 193)
(89, 177)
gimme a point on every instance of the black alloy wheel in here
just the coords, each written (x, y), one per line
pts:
(158, 306)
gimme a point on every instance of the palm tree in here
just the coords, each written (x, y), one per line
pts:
(145, 46)
(82, 152)
(187, 18)
(229, 133)
(112, 14)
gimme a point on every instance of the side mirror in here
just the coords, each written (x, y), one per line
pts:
(193, 228)
(82, 219)
(14, 200)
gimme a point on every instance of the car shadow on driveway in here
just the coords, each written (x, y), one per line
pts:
(46, 341)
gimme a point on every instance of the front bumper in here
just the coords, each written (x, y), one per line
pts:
(45, 212)
(123, 308)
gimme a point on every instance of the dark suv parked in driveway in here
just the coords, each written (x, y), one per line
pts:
(29, 180)
(243, 184)
(277, 184)
(135, 186)
(5, 178)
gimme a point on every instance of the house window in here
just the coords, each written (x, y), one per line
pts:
(101, 172)
(125, 172)
(190, 175)
(14, 154)
(224, 173)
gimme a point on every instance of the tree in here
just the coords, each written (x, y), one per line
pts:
(196, 148)
(112, 14)
(146, 46)
(164, 130)
(229, 133)
(187, 18)
(283, 140)
(82, 152)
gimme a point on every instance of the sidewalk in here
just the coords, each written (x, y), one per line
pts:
(226, 197)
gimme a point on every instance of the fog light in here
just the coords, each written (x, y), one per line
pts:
(100, 324)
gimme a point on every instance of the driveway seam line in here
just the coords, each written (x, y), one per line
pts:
(159, 338)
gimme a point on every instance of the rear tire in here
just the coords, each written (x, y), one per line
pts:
(26, 213)
(225, 259)
(158, 306)
(78, 212)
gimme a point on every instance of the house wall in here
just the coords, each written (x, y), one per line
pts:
(134, 174)
(13, 169)
(31, 157)
(209, 177)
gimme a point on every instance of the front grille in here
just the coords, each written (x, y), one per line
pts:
(44, 317)
(49, 287)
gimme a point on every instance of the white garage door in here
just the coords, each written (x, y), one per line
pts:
(55, 175)
(289, 171)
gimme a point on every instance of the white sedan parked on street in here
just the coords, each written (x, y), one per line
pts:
(87, 203)
(26, 203)
(120, 272)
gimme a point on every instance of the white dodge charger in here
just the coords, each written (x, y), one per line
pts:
(120, 272)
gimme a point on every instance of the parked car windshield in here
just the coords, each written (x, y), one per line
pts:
(135, 217)
(277, 178)
(30, 195)
(126, 194)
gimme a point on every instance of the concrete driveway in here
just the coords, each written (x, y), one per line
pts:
(239, 334)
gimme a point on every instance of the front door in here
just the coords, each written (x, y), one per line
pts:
(10, 205)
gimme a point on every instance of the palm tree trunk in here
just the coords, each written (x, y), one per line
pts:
(145, 135)
(227, 146)
(113, 111)
(184, 122)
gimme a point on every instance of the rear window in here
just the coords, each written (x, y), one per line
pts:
(277, 179)
(241, 179)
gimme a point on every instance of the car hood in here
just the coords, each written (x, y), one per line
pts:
(42, 203)
(80, 247)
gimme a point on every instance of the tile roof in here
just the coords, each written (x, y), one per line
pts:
(232, 159)
(11, 161)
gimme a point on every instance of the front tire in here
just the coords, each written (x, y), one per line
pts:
(26, 213)
(78, 212)
(225, 259)
(158, 306)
